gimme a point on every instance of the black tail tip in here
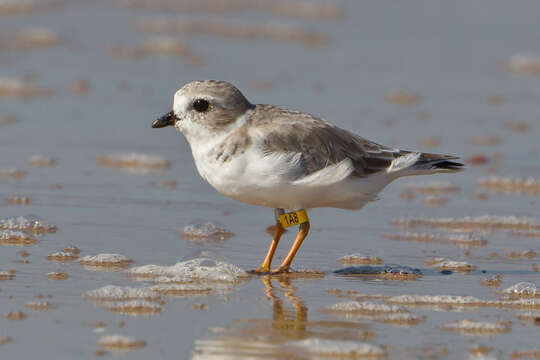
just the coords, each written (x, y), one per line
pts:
(449, 165)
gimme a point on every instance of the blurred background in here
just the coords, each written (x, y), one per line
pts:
(82, 81)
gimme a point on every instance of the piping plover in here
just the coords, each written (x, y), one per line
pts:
(284, 159)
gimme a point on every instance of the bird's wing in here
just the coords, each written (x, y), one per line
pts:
(317, 144)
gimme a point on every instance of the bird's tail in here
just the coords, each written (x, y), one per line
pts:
(438, 163)
(417, 163)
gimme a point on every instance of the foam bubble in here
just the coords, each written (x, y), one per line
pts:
(7, 275)
(480, 352)
(121, 293)
(517, 126)
(462, 301)
(16, 238)
(525, 254)
(105, 260)
(363, 297)
(355, 307)
(134, 162)
(473, 327)
(135, 307)
(199, 269)
(524, 63)
(324, 347)
(71, 249)
(401, 319)
(477, 159)
(360, 259)
(484, 140)
(510, 185)
(15, 88)
(62, 256)
(494, 280)
(57, 275)
(181, 289)
(529, 315)
(526, 354)
(435, 201)
(437, 300)
(167, 45)
(390, 314)
(26, 224)
(198, 306)
(40, 305)
(23, 253)
(402, 98)
(40, 160)
(17, 200)
(175, 279)
(120, 342)
(522, 289)
(12, 173)
(35, 37)
(15, 315)
(206, 230)
(533, 303)
(444, 264)
(147, 271)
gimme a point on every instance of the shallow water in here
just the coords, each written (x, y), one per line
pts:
(450, 54)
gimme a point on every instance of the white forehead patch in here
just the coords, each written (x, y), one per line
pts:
(180, 103)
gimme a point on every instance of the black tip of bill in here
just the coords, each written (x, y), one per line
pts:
(166, 120)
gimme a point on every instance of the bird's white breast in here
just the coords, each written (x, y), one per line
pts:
(249, 177)
(239, 176)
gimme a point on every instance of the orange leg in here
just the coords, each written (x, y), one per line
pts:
(286, 264)
(265, 266)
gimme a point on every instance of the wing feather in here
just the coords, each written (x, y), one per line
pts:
(321, 145)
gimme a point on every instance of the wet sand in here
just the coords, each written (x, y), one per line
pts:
(85, 83)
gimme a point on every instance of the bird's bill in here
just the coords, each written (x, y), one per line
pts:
(166, 120)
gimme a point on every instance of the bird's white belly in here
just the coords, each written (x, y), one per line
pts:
(238, 180)
(261, 181)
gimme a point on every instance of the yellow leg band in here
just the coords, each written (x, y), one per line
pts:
(293, 218)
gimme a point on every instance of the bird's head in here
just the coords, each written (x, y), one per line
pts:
(204, 106)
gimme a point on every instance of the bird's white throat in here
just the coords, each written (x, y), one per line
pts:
(202, 137)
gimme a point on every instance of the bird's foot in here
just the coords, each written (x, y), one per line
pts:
(260, 271)
(267, 271)
(280, 270)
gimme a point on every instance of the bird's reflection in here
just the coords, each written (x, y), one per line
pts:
(284, 317)
(270, 338)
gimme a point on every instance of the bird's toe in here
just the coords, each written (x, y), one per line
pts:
(259, 271)
(279, 270)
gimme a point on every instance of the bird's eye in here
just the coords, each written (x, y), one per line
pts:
(201, 105)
